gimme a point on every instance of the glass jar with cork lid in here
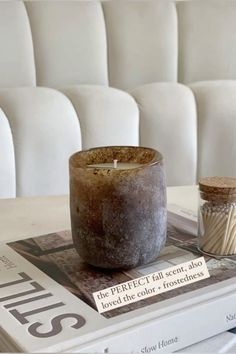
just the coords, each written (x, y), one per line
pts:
(217, 216)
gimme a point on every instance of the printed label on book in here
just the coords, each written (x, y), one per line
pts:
(151, 284)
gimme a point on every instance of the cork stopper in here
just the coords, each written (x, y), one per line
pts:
(218, 188)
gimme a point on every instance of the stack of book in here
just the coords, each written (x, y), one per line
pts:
(47, 303)
(222, 343)
(182, 218)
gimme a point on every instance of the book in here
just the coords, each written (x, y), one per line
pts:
(182, 218)
(222, 343)
(47, 304)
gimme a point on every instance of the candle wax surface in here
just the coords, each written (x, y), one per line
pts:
(120, 165)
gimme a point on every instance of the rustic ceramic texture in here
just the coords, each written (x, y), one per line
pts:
(118, 217)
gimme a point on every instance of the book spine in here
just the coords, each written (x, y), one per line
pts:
(172, 332)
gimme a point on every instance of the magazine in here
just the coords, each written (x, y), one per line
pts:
(47, 303)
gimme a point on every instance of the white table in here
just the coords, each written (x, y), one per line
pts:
(26, 217)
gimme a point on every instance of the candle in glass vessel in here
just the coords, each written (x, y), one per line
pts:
(118, 215)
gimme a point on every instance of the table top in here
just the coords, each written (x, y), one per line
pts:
(26, 217)
(31, 216)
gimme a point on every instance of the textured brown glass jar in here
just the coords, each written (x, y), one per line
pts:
(118, 216)
(217, 216)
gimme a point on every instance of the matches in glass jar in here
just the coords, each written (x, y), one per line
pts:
(217, 215)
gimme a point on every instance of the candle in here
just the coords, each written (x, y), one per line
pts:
(118, 205)
(116, 164)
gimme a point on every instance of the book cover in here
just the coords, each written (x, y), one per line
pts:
(47, 303)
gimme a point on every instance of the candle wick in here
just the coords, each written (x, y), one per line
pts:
(115, 163)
